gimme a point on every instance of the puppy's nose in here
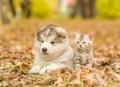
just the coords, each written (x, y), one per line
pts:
(44, 49)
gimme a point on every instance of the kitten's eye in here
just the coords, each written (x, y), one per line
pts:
(42, 41)
(52, 42)
(78, 42)
(84, 42)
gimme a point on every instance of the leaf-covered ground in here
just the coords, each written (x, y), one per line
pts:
(16, 55)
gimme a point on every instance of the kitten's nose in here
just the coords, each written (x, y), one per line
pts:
(44, 49)
(80, 45)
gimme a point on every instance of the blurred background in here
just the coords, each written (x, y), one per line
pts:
(20, 19)
(58, 9)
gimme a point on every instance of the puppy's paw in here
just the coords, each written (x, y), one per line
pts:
(35, 69)
(49, 68)
(42, 71)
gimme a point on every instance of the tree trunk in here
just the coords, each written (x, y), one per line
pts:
(26, 8)
(76, 9)
(4, 11)
(86, 8)
(12, 7)
(92, 8)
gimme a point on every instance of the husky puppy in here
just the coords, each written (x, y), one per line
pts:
(52, 50)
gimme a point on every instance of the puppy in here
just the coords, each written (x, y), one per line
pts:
(52, 50)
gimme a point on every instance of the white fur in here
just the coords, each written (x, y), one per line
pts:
(58, 56)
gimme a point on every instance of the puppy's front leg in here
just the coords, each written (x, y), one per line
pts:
(35, 69)
(50, 67)
(37, 64)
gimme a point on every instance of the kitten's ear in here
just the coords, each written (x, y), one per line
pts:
(91, 37)
(76, 35)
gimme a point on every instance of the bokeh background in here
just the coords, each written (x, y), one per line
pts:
(19, 21)
(59, 9)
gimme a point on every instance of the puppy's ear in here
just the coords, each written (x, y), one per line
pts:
(76, 35)
(38, 34)
(61, 32)
(39, 31)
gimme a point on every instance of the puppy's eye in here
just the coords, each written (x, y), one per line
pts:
(52, 42)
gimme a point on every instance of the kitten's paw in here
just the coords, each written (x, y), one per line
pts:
(89, 66)
(77, 66)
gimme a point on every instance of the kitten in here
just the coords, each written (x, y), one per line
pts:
(83, 50)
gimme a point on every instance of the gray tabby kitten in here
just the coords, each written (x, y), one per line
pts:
(83, 55)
